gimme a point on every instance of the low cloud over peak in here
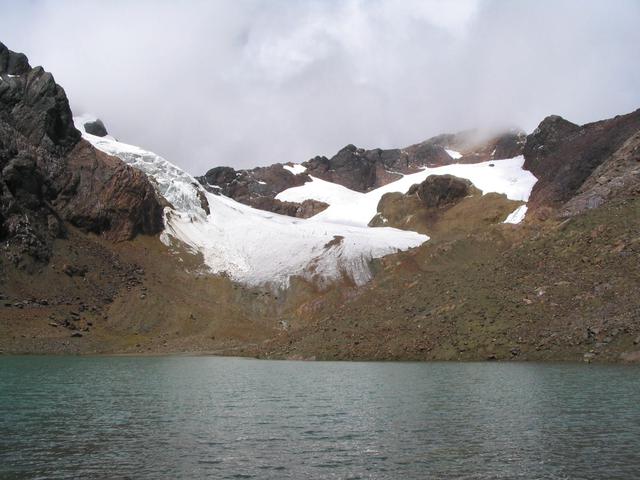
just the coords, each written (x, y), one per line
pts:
(247, 83)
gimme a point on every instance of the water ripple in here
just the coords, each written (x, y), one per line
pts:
(182, 417)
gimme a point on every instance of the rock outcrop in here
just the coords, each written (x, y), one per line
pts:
(105, 196)
(48, 175)
(563, 156)
(440, 190)
(306, 209)
(364, 170)
(246, 185)
(258, 188)
(619, 177)
(444, 207)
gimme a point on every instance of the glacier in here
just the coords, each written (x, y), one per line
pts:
(260, 248)
(255, 247)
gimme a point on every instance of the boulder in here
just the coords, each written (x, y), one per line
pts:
(96, 128)
(441, 190)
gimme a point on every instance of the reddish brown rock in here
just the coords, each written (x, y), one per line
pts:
(103, 195)
(441, 190)
(563, 155)
(48, 175)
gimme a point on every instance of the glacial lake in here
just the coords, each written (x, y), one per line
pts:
(208, 417)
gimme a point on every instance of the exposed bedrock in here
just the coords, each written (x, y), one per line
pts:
(48, 175)
(592, 160)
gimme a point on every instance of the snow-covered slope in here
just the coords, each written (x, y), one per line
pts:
(349, 207)
(253, 246)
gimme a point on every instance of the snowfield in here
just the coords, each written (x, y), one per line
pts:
(255, 247)
(349, 207)
(252, 246)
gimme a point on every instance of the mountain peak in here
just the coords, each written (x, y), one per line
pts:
(13, 63)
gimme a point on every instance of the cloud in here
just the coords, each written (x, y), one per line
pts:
(247, 82)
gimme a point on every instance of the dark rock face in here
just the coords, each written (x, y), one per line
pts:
(618, 177)
(350, 167)
(508, 145)
(34, 104)
(106, 196)
(48, 175)
(244, 185)
(364, 170)
(220, 177)
(13, 63)
(96, 128)
(258, 188)
(440, 190)
(563, 155)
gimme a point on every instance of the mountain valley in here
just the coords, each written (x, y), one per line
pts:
(468, 246)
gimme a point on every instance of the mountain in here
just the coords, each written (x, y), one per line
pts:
(356, 169)
(251, 246)
(50, 176)
(465, 246)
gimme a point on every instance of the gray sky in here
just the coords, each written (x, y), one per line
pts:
(247, 83)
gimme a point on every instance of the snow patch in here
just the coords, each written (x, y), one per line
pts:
(453, 154)
(296, 168)
(517, 215)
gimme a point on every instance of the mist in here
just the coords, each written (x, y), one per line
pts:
(246, 83)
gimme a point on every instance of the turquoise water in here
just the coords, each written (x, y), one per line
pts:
(207, 417)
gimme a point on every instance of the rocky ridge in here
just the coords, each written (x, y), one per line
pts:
(598, 160)
(357, 169)
(50, 176)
